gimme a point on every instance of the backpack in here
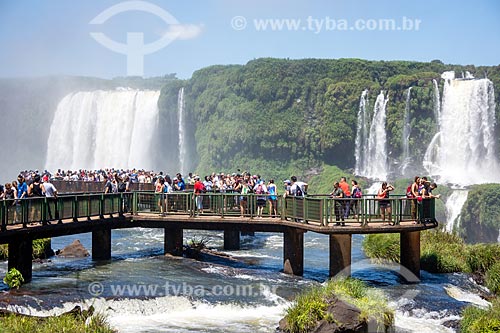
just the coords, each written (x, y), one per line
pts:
(409, 194)
(298, 191)
(357, 193)
(122, 187)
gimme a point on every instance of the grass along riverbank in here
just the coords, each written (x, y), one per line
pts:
(442, 252)
(318, 307)
(74, 322)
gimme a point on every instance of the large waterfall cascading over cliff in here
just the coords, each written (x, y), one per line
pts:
(182, 131)
(361, 133)
(436, 101)
(405, 139)
(463, 151)
(104, 129)
(372, 159)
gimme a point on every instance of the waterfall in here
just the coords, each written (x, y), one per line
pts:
(103, 129)
(405, 139)
(374, 162)
(436, 102)
(454, 206)
(463, 151)
(361, 133)
(182, 131)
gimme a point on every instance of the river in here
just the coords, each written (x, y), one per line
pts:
(242, 293)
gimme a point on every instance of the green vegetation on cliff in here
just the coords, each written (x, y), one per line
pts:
(480, 216)
(275, 114)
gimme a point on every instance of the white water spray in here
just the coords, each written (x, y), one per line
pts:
(98, 129)
(463, 151)
(361, 133)
(436, 102)
(182, 131)
(405, 139)
(454, 206)
(374, 163)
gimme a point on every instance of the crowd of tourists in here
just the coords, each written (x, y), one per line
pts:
(36, 184)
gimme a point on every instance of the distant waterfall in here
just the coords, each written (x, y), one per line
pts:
(373, 164)
(182, 131)
(405, 138)
(463, 151)
(436, 102)
(454, 206)
(361, 133)
(103, 129)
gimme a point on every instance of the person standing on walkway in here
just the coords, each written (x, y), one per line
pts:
(338, 203)
(50, 192)
(384, 202)
(347, 195)
(35, 191)
(273, 198)
(199, 189)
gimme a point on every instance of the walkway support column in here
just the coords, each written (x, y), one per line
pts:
(231, 240)
(173, 241)
(293, 251)
(21, 256)
(410, 255)
(340, 255)
(101, 244)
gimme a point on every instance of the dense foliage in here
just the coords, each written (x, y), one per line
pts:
(480, 217)
(13, 278)
(41, 249)
(275, 114)
(442, 252)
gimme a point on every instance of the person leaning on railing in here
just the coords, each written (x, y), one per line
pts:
(384, 202)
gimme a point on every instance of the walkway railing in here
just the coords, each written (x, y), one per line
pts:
(320, 210)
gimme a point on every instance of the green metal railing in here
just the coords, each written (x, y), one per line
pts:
(318, 209)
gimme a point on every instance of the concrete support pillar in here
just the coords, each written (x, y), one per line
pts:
(410, 256)
(340, 254)
(21, 256)
(231, 240)
(293, 252)
(101, 244)
(173, 241)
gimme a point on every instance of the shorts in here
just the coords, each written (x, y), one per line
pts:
(261, 202)
(384, 204)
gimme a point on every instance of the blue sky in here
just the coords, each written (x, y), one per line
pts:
(53, 37)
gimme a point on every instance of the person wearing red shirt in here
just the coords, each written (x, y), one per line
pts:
(347, 194)
(199, 188)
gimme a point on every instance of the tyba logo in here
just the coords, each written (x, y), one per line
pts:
(134, 49)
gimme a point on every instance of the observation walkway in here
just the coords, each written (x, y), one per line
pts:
(23, 221)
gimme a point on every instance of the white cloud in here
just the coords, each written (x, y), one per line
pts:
(184, 31)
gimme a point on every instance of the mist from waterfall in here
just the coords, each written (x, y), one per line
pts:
(436, 101)
(405, 138)
(103, 129)
(372, 159)
(463, 151)
(182, 131)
